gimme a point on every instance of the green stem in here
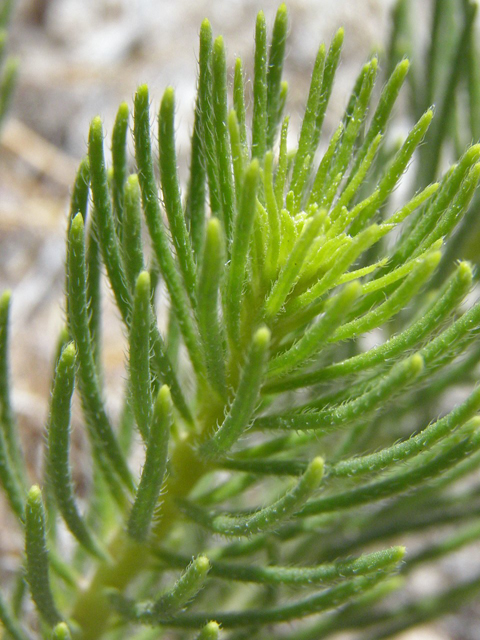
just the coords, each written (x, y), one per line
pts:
(92, 609)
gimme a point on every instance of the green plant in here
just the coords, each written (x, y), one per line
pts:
(278, 399)
(9, 71)
(448, 77)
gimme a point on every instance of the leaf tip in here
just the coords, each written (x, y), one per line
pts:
(168, 100)
(210, 631)
(282, 11)
(465, 272)
(262, 338)
(353, 290)
(77, 225)
(260, 18)
(433, 259)
(34, 495)
(61, 632)
(141, 95)
(96, 129)
(214, 229)
(132, 184)
(205, 26)
(202, 565)
(427, 116)
(142, 286)
(399, 552)
(404, 65)
(219, 45)
(163, 404)
(5, 298)
(416, 364)
(339, 37)
(123, 111)
(69, 353)
(315, 470)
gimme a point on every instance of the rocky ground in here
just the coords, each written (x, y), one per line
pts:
(80, 58)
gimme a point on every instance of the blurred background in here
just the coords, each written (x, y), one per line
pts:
(80, 58)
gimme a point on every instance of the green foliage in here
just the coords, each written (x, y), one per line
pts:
(306, 304)
(8, 67)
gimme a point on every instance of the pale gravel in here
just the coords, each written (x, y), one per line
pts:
(83, 59)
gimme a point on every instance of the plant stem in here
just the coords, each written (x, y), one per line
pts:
(92, 610)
